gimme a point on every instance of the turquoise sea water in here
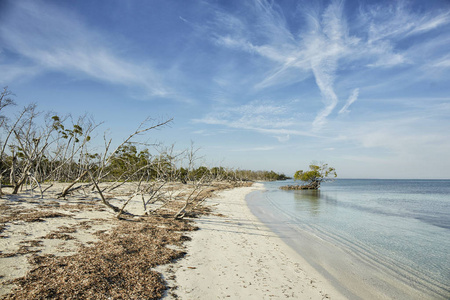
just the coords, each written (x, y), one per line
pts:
(370, 238)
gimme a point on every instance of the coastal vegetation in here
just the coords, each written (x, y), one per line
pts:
(54, 170)
(38, 148)
(316, 174)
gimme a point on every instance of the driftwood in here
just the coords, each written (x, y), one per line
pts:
(32, 178)
(68, 188)
(114, 208)
(73, 189)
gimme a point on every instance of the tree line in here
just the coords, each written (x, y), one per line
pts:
(59, 149)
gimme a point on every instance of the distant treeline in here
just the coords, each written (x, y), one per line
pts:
(126, 164)
(261, 175)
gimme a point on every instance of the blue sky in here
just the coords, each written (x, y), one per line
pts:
(362, 85)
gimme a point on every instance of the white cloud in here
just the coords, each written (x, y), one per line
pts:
(283, 138)
(407, 134)
(396, 20)
(321, 47)
(353, 97)
(54, 39)
(430, 22)
(264, 117)
(316, 52)
(441, 63)
(15, 72)
(387, 25)
(325, 47)
(263, 148)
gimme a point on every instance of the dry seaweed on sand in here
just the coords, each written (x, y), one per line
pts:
(27, 216)
(58, 235)
(119, 266)
(61, 233)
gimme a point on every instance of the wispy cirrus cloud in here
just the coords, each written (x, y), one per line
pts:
(353, 97)
(389, 25)
(396, 20)
(316, 52)
(430, 22)
(326, 45)
(443, 62)
(265, 117)
(253, 149)
(278, 44)
(403, 131)
(48, 38)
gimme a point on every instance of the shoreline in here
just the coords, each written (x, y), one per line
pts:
(356, 270)
(233, 254)
(236, 255)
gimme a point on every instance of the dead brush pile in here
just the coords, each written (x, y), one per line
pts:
(119, 266)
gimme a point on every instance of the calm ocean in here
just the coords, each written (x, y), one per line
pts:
(370, 238)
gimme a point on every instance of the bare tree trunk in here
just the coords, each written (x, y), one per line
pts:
(114, 208)
(190, 199)
(1, 184)
(31, 177)
(124, 205)
(67, 189)
(12, 174)
(21, 181)
(47, 188)
(153, 194)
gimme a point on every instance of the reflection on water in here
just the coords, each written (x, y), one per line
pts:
(308, 199)
(313, 201)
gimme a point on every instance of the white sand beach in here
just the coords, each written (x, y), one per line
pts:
(235, 256)
(74, 224)
(232, 255)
